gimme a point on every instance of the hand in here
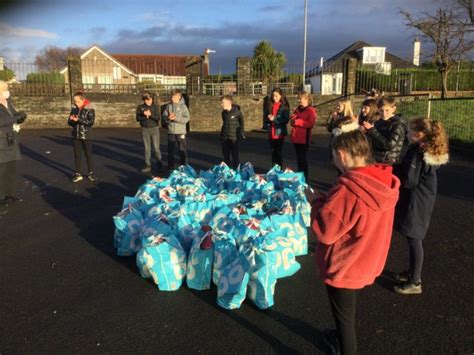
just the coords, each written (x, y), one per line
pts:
(293, 116)
(147, 113)
(271, 118)
(172, 116)
(311, 194)
(292, 123)
(74, 118)
(367, 125)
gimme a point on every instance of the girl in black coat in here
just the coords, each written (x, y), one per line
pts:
(428, 150)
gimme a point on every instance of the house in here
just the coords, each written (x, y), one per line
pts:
(327, 78)
(101, 68)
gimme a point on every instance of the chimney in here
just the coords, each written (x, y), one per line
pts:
(416, 52)
(2, 63)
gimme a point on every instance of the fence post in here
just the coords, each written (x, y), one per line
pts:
(428, 114)
(244, 69)
(349, 79)
(74, 75)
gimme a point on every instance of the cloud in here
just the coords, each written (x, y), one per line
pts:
(11, 32)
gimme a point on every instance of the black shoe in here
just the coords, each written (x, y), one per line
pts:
(12, 199)
(402, 277)
(3, 203)
(146, 169)
(159, 166)
(331, 340)
(408, 288)
(91, 177)
(77, 177)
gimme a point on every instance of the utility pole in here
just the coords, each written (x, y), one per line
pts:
(305, 35)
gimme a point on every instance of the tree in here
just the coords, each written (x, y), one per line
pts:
(54, 58)
(267, 63)
(451, 34)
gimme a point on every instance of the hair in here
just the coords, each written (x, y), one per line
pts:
(386, 101)
(176, 92)
(354, 142)
(346, 107)
(227, 97)
(284, 100)
(148, 95)
(3, 86)
(307, 96)
(435, 138)
(79, 94)
(373, 113)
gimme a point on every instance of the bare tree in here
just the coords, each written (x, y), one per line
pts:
(53, 58)
(451, 34)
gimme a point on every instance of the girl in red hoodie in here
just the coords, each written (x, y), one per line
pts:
(353, 225)
(302, 122)
(276, 123)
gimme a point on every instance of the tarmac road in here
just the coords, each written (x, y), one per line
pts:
(64, 290)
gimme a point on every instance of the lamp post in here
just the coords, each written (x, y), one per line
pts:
(304, 43)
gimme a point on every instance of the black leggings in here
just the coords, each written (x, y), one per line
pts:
(415, 247)
(302, 160)
(276, 146)
(79, 146)
(180, 141)
(231, 147)
(7, 179)
(343, 306)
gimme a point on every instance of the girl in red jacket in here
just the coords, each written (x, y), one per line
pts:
(353, 225)
(302, 122)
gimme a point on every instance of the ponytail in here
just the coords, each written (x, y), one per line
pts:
(435, 141)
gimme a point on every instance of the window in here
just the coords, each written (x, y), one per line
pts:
(117, 73)
(373, 55)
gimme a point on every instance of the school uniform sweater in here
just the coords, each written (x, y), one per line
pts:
(353, 225)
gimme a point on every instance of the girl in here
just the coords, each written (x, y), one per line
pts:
(353, 225)
(232, 131)
(368, 112)
(343, 109)
(302, 122)
(277, 120)
(428, 150)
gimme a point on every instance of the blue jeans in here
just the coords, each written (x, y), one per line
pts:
(151, 136)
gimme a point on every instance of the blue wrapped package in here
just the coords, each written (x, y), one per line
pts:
(263, 277)
(200, 261)
(164, 260)
(295, 230)
(200, 212)
(246, 170)
(128, 225)
(154, 228)
(225, 251)
(187, 231)
(232, 286)
(226, 199)
(286, 264)
(224, 221)
(188, 170)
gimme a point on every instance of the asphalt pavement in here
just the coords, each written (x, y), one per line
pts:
(63, 289)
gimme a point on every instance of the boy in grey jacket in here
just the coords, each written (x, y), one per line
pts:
(175, 117)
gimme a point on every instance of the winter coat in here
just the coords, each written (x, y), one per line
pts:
(82, 128)
(9, 142)
(333, 121)
(302, 124)
(418, 189)
(279, 123)
(232, 124)
(353, 225)
(153, 120)
(177, 126)
(388, 139)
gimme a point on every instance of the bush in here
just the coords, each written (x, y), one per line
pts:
(53, 77)
(6, 74)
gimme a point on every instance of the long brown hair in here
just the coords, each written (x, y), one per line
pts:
(435, 140)
(373, 113)
(284, 100)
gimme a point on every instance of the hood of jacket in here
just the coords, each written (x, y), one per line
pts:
(435, 160)
(375, 185)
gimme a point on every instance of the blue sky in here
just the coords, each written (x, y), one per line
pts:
(232, 28)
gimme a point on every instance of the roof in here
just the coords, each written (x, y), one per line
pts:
(169, 65)
(352, 52)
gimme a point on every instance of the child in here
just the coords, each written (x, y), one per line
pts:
(387, 134)
(302, 122)
(368, 112)
(277, 120)
(81, 119)
(232, 131)
(148, 114)
(343, 109)
(176, 116)
(353, 225)
(428, 150)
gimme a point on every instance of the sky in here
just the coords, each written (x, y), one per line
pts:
(230, 27)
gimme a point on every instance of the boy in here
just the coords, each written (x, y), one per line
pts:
(81, 119)
(148, 114)
(232, 131)
(387, 134)
(176, 116)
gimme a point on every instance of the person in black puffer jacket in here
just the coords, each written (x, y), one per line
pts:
(387, 135)
(232, 131)
(81, 119)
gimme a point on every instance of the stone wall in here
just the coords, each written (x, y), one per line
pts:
(119, 111)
